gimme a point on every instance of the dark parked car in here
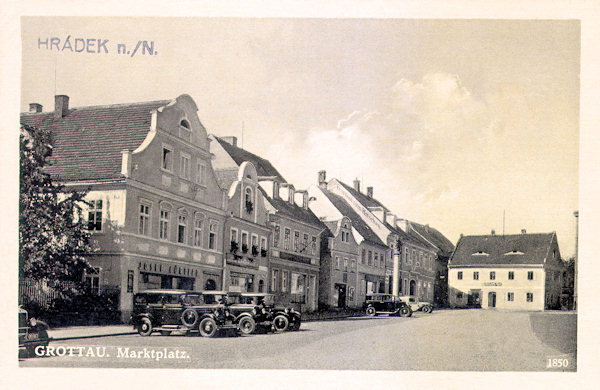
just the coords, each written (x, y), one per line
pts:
(32, 333)
(179, 310)
(386, 304)
(266, 314)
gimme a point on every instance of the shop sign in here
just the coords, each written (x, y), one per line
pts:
(171, 269)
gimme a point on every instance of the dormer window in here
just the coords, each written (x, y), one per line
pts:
(480, 253)
(185, 130)
(514, 252)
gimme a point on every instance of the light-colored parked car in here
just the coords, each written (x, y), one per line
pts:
(417, 305)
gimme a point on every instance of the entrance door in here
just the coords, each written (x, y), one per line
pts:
(492, 299)
(341, 293)
(413, 288)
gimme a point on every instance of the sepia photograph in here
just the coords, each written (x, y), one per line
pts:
(366, 194)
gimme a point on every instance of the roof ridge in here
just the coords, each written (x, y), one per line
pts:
(116, 105)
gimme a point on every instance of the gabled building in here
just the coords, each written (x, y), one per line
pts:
(409, 263)
(294, 253)
(370, 252)
(246, 231)
(517, 272)
(156, 211)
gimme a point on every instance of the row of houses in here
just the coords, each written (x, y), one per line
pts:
(174, 207)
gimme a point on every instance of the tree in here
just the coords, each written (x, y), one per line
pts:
(53, 240)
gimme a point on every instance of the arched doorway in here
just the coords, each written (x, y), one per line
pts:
(413, 288)
(210, 285)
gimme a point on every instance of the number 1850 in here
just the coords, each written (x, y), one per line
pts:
(557, 363)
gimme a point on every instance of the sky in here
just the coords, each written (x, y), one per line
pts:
(459, 124)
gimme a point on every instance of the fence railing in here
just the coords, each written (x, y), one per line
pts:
(39, 292)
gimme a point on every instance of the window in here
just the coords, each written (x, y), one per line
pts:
(95, 215)
(337, 262)
(263, 244)
(420, 259)
(198, 232)
(181, 225)
(492, 275)
(304, 243)
(144, 226)
(296, 240)
(529, 275)
(376, 260)
(351, 294)
(382, 259)
(212, 235)
(254, 245)
(406, 255)
(163, 225)
(92, 280)
(510, 297)
(529, 297)
(234, 235)
(459, 275)
(313, 249)
(184, 165)
(511, 275)
(363, 256)
(345, 265)
(276, 236)
(274, 280)
(130, 281)
(352, 265)
(286, 239)
(248, 200)
(414, 256)
(370, 258)
(185, 130)
(284, 281)
(244, 242)
(200, 173)
(167, 159)
(459, 295)
(475, 275)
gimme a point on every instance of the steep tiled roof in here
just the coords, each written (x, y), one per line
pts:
(434, 236)
(294, 211)
(357, 222)
(226, 177)
(362, 198)
(493, 249)
(263, 167)
(87, 142)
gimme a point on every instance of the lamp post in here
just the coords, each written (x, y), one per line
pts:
(576, 215)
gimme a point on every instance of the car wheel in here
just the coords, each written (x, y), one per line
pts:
(246, 325)
(296, 325)
(189, 318)
(145, 327)
(405, 312)
(280, 323)
(427, 309)
(208, 327)
(371, 312)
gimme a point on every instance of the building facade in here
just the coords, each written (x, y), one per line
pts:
(294, 255)
(247, 233)
(515, 272)
(156, 211)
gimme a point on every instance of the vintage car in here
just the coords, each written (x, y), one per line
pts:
(416, 305)
(241, 315)
(32, 333)
(192, 312)
(266, 314)
(380, 303)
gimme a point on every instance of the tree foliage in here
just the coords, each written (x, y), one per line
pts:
(53, 241)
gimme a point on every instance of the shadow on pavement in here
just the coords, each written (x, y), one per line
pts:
(558, 330)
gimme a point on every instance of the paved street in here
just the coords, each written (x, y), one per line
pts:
(476, 340)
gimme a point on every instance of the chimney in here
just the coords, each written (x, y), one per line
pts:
(291, 194)
(35, 107)
(493, 232)
(322, 178)
(523, 231)
(230, 140)
(370, 192)
(275, 189)
(61, 106)
(357, 185)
